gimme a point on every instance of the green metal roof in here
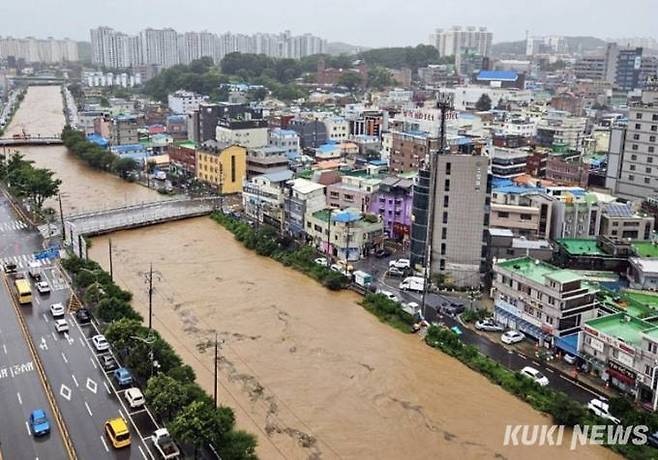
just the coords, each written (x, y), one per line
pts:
(564, 276)
(622, 326)
(581, 247)
(530, 268)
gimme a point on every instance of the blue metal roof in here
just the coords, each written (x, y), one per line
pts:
(97, 139)
(347, 215)
(515, 189)
(502, 75)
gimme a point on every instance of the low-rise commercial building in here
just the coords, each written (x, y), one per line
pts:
(222, 165)
(182, 101)
(302, 198)
(286, 139)
(262, 197)
(643, 273)
(541, 300)
(393, 203)
(346, 234)
(266, 160)
(124, 130)
(352, 192)
(525, 211)
(249, 133)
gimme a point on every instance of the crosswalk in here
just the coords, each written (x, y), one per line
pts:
(24, 261)
(12, 226)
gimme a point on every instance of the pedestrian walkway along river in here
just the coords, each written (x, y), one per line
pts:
(307, 370)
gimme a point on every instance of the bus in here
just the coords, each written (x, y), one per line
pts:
(24, 291)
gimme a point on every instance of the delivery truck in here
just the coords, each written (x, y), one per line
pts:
(413, 283)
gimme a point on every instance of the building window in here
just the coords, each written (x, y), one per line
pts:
(233, 175)
(652, 138)
(442, 264)
(649, 159)
(647, 180)
(444, 233)
(631, 177)
(446, 185)
(634, 146)
(638, 116)
(503, 214)
(445, 217)
(648, 170)
(654, 127)
(443, 249)
(526, 217)
(638, 126)
(448, 167)
(651, 148)
(636, 137)
(632, 167)
(446, 200)
(633, 157)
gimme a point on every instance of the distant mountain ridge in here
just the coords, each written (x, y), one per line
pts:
(338, 48)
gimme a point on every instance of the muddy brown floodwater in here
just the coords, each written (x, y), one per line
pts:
(307, 370)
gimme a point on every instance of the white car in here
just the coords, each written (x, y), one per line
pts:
(511, 337)
(61, 325)
(571, 359)
(402, 264)
(134, 397)
(395, 271)
(340, 269)
(535, 375)
(43, 287)
(599, 406)
(57, 310)
(488, 325)
(100, 342)
(321, 261)
(389, 295)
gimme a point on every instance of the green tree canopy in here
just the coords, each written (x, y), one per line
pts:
(484, 103)
(350, 80)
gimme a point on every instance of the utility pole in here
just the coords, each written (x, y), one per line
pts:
(216, 376)
(444, 103)
(150, 295)
(61, 215)
(109, 243)
(329, 237)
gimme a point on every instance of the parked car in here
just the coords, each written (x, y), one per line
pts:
(488, 325)
(402, 264)
(395, 271)
(57, 310)
(100, 342)
(10, 268)
(452, 308)
(571, 359)
(43, 287)
(108, 362)
(164, 444)
(134, 397)
(535, 375)
(39, 423)
(652, 439)
(340, 269)
(321, 261)
(61, 325)
(382, 253)
(511, 337)
(34, 274)
(83, 316)
(389, 295)
(122, 376)
(117, 432)
(601, 408)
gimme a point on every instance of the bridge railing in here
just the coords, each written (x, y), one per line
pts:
(214, 201)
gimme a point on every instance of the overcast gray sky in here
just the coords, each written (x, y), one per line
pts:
(362, 22)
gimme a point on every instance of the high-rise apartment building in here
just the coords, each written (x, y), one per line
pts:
(166, 47)
(633, 152)
(456, 40)
(34, 50)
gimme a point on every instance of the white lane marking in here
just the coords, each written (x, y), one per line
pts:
(550, 370)
(522, 355)
(122, 416)
(104, 445)
(65, 392)
(75, 380)
(65, 358)
(107, 388)
(142, 452)
(93, 362)
(36, 299)
(43, 345)
(54, 336)
(45, 317)
(27, 425)
(4, 348)
(84, 344)
(535, 363)
(88, 409)
(20, 400)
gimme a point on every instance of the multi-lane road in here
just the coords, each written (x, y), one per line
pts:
(77, 387)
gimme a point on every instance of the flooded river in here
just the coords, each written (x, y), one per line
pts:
(307, 370)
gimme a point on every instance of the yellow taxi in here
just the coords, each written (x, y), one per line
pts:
(117, 432)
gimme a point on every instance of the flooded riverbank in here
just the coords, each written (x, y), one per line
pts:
(307, 370)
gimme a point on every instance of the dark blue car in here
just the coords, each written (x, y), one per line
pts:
(39, 423)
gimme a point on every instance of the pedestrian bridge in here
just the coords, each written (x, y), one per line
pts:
(30, 140)
(79, 226)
